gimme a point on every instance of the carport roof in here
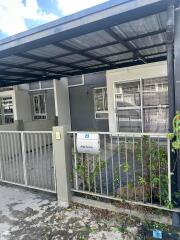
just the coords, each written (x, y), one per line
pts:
(111, 35)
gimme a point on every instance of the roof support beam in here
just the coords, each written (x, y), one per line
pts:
(56, 62)
(25, 75)
(110, 43)
(128, 45)
(121, 65)
(12, 82)
(84, 53)
(116, 63)
(146, 35)
(124, 52)
(29, 69)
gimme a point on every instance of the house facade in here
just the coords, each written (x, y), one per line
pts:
(112, 70)
(28, 107)
(133, 99)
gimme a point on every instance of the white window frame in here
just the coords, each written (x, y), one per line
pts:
(141, 107)
(101, 111)
(44, 116)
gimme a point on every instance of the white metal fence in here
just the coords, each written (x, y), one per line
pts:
(131, 166)
(26, 158)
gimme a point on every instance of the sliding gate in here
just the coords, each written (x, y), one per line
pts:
(26, 159)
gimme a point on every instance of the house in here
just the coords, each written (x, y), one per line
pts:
(112, 69)
(102, 101)
(28, 107)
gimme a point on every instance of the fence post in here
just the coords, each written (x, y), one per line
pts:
(169, 169)
(24, 158)
(62, 161)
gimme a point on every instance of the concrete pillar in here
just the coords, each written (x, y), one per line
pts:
(61, 141)
(62, 161)
(61, 98)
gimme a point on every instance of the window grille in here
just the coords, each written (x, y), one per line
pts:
(142, 105)
(6, 110)
(100, 103)
(39, 105)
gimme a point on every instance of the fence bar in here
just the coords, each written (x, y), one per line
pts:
(150, 170)
(28, 149)
(24, 157)
(169, 169)
(75, 161)
(94, 168)
(112, 164)
(82, 165)
(54, 168)
(119, 161)
(32, 163)
(142, 164)
(100, 173)
(106, 164)
(134, 171)
(127, 167)
(88, 169)
(160, 199)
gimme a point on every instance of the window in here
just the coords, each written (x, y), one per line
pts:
(142, 105)
(39, 107)
(6, 110)
(100, 103)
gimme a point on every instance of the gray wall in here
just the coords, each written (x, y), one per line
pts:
(82, 104)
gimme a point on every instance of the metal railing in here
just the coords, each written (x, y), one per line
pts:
(26, 159)
(133, 167)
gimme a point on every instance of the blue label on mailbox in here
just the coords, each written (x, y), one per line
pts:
(157, 234)
(87, 135)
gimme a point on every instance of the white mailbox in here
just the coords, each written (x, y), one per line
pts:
(88, 143)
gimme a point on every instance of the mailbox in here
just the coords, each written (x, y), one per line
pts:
(88, 143)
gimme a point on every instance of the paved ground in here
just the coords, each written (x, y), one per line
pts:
(26, 215)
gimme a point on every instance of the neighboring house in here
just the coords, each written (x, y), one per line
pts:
(28, 107)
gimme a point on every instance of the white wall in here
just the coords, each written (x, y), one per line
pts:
(126, 74)
(62, 106)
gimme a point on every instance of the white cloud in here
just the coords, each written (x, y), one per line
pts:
(72, 6)
(13, 14)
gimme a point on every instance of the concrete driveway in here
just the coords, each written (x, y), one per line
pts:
(28, 215)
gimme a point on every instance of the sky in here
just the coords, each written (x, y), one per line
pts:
(20, 15)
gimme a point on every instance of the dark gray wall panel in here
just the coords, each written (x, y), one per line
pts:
(82, 104)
